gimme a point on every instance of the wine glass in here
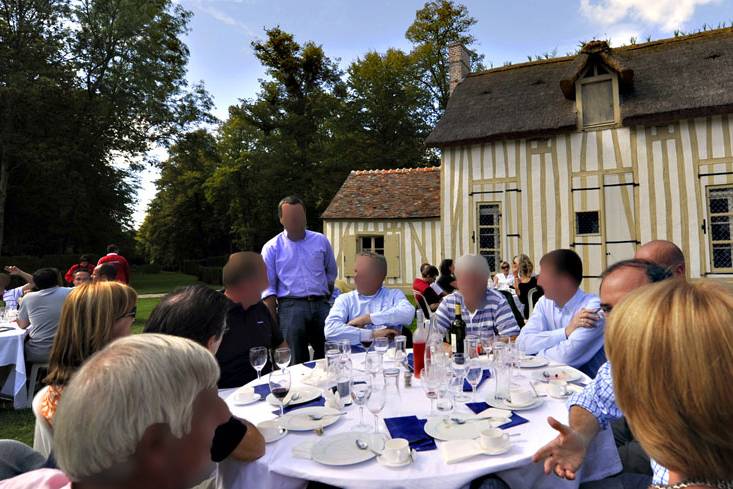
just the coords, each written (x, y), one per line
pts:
(471, 344)
(473, 375)
(430, 381)
(400, 349)
(376, 400)
(280, 386)
(381, 345)
(366, 341)
(443, 400)
(487, 341)
(282, 357)
(258, 358)
(459, 366)
(373, 362)
(361, 390)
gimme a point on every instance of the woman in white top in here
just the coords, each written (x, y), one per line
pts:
(503, 280)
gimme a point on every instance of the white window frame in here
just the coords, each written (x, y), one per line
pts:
(710, 214)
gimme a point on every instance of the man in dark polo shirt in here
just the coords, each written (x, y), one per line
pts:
(249, 322)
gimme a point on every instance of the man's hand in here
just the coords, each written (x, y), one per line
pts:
(384, 332)
(360, 321)
(563, 455)
(585, 318)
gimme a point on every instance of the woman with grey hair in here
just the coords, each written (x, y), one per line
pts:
(140, 413)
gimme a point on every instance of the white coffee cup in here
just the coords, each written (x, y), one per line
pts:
(244, 394)
(396, 450)
(270, 429)
(493, 439)
(521, 397)
(557, 388)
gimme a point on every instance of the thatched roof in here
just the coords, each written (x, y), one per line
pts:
(410, 193)
(661, 81)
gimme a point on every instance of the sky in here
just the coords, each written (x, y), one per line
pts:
(221, 33)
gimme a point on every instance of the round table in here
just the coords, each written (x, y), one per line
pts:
(278, 468)
(12, 353)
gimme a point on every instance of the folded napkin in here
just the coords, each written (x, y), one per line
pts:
(411, 429)
(262, 389)
(459, 450)
(485, 375)
(515, 419)
(333, 399)
(314, 403)
(310, 364)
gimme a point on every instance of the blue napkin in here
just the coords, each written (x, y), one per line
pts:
(410, 361)
(314, 403)
(263, 390)
(485, 375)
(515, 420)
(357, 349)
(413, 430)
(310, 364)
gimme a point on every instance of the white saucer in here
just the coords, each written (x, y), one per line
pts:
(270, 424)
(382, 461)
(239, 402)
(496, 451)
(511, 407)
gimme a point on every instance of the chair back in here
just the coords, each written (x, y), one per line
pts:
(513, 306)
(43, 433)
(420, 299)
(533, 296)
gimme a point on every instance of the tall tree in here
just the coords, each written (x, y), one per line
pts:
(437, 25)
(181, 223)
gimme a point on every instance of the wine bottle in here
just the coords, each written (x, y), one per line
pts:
(457, 332)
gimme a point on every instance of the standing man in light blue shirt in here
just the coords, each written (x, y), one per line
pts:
(371, 303)
(301, 270)
(565, 325)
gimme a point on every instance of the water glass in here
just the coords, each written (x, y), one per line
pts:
(471, 345)
(400, 348)
(460, 367)
(331, 346)
(282, 357)
(258, 358)
(381, 345)
(345, 348)
(373, 362)
(474, 375)
(502, 363)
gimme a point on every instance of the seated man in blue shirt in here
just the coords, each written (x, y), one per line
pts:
(565, 325)
(370, 304)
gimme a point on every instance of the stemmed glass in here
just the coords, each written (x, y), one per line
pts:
(280, 386)
(473, 376)
(361, 390)
(282, 357)
(373, 362)
(430, 381)
(258, 358)
(376, 400)
(486, 336)
(381, 345)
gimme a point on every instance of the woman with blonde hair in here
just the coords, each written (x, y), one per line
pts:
(672, 344)
(524, 280)
(93, 315)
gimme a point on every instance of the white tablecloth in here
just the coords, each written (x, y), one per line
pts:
(11, 353)
(278, 469)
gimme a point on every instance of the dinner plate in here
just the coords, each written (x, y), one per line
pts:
(533, 362)
(567, 374)
(301, 395)
(340, 449)
(501, 404)
(439, 429)
(300, 420)
(239, 401)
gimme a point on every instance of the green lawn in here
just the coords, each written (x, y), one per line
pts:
(18, 425)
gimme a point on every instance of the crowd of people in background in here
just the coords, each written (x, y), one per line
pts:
(115, 402)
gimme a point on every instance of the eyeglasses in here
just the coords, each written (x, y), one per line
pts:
(606, 308)
(505, 267)
(131, 314)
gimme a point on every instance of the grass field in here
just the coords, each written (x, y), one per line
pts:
(18, 425)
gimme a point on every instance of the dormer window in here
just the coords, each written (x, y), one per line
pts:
(597, 98)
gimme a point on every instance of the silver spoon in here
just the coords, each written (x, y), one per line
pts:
(362, 445)
(318, 417)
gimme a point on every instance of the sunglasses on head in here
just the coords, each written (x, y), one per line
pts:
(131, 314)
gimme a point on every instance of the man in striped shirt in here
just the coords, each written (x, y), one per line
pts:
(481, 307)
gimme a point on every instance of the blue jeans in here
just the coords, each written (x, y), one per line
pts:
(302, 322)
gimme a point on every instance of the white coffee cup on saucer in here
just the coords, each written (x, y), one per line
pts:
(521, 397)
(557, 388)
(494, 439)
(396, 451)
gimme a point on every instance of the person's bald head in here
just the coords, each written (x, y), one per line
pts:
(665, 254)
(625, 276)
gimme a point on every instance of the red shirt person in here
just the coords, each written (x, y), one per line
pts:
(83, 264)
(113, 257)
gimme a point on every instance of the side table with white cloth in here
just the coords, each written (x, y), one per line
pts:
(280, 469)
(12, 339)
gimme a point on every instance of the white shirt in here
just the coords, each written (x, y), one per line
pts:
(544, 333)
(503, 282)
(388, 307)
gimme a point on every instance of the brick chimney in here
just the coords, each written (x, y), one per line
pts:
(458, 61)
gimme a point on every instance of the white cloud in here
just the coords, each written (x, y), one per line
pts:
(667, 14)
(208, 7)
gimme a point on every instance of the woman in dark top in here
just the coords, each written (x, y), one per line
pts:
(447, 281)
(524, 281)
(198, 313)
(428, 274)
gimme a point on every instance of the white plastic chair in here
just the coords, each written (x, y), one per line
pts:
(43, 433)
(422, 302)
(530, 300)
(33, 378)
